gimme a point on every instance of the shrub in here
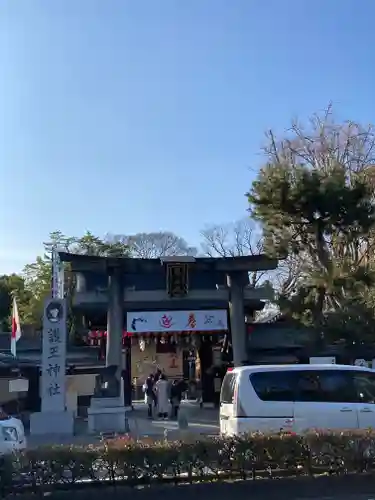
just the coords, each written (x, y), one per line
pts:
(125, 461)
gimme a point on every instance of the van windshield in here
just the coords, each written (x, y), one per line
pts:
(227, 388)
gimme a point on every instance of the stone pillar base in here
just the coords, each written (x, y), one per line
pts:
(107, 415)
(45, 422)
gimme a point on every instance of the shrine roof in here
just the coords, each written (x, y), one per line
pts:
(259, 262)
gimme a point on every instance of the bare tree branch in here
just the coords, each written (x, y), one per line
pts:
(234, 240)
(323, 143)
(155, 245)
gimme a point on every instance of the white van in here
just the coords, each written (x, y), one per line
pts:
(12, 434)
(270, 398)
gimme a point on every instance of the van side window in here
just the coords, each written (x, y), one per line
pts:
(364, 385)
(227, 388)
(273, 385)
(326, 386)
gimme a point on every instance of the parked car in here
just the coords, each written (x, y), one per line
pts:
(296, 398)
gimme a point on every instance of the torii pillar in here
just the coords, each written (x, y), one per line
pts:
(115, 328)
(115, 318)
(237, 280)
(109, 413)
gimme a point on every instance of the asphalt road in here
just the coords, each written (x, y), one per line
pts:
(338, 496)
(200, 422)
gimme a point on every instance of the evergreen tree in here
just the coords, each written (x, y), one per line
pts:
(314, 200)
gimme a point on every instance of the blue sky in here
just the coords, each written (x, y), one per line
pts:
(123, 116)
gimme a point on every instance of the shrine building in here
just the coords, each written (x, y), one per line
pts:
(184, 315)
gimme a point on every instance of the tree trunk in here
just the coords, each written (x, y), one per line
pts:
(320, 304)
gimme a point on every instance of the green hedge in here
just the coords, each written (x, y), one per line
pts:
(123, 461)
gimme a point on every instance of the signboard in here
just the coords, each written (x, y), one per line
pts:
(19, 385)
(177, 321)
(177, 280)
(54, 356)
(323, 360)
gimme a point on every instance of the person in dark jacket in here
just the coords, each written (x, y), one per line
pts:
(149, 390)
(177, 389)
(157, 375)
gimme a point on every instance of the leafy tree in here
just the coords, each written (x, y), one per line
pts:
(38, 275)
(38, 281)
(12, 285)
(88, 244)
(353, 322)
(313, 200)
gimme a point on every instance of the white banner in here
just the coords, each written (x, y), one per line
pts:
(57, 275)
(54, 356)
(177, 321)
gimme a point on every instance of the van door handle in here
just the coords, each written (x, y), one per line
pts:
(366, 410)
(346, 409)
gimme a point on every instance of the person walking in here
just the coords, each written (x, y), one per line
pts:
(162, 394)
(176, 397)
(157, 376)
(149, 390)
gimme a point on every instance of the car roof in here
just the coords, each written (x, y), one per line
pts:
(270, 368)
